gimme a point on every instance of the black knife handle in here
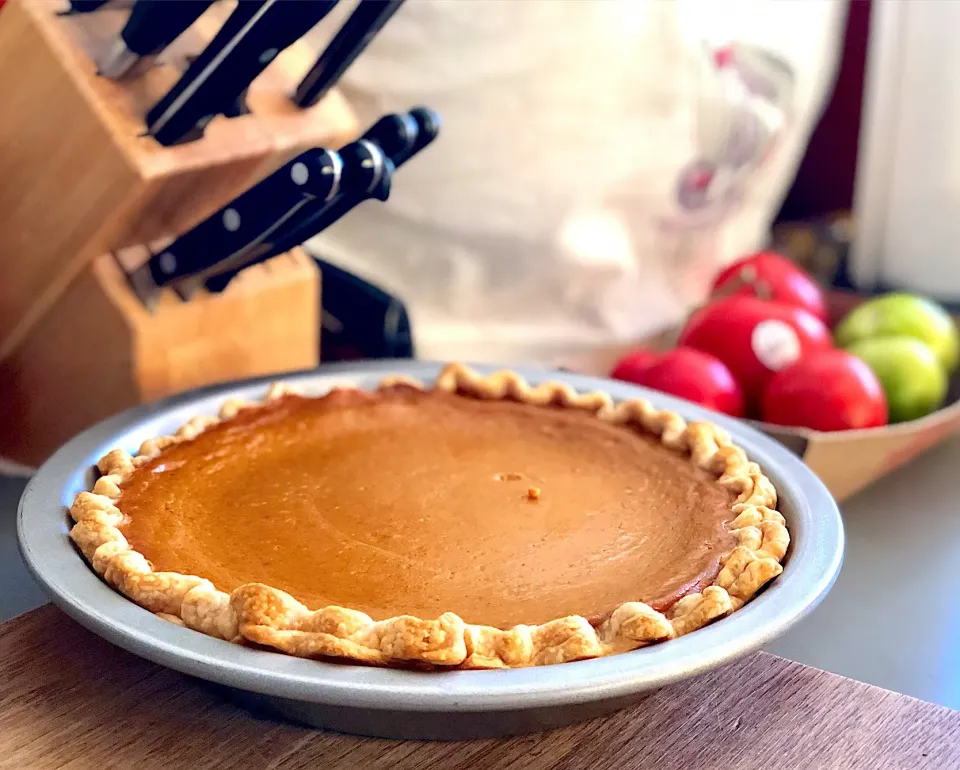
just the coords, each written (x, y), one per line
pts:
(365, 165)
(251, 217)
(356, 33)
(421, 125)
(154, 24)
(321, 218)
(250, 39)
(86, 6)
(313, 220)
(367, 173)
(151, 27)
(395, 134)
(163, 117)
(428, 128)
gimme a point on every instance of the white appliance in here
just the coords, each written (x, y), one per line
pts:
(907, 200)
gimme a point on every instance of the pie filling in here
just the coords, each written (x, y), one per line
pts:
(422, 502)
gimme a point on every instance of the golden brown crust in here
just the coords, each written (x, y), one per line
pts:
(264, 615)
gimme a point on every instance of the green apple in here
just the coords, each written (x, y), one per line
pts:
(895, 315)
(912, 378)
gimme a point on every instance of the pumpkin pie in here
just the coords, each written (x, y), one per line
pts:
(479, 522)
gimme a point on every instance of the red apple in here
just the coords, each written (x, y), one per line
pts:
(754, 338)
(767, 275)
(827, 390)
(686, 373)
(633, 366)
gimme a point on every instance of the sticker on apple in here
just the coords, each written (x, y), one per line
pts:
(775, 344)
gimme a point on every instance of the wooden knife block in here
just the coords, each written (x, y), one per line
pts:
(99, 351)
(77, 176)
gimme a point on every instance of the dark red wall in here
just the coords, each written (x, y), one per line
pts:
(824, 183)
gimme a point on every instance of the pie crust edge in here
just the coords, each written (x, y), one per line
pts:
(266, 616)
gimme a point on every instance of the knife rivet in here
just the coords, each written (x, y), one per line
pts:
(267, 56)
(231, 220)
(167, 262)
(300, 173)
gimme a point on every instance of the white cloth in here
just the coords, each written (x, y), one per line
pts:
(550, 216)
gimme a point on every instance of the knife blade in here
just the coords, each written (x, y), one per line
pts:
(355, 35)
(249, 40)
(151, 27)
(367, 173)
(246, 221)
(399, 136)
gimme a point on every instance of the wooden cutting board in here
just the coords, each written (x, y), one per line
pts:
(70, 699)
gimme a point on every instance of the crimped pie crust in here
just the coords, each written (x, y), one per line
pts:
(267, 616)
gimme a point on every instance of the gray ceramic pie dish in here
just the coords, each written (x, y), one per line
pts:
(393, 703)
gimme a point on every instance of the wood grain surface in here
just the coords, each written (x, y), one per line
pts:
(70, 699)
(99, 351)
(78, 177)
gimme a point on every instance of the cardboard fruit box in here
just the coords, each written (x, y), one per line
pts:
(846, 461)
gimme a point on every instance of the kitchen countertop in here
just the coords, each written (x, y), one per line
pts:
(761, 711)
(18, 593)
(893, 617)
(892, 620)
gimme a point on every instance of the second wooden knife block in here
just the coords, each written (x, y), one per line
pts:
(99, 351)
(77, 176)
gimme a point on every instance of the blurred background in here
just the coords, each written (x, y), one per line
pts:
(600, 161)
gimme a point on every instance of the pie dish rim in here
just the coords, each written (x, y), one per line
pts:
(195, 603)
(391, 702)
